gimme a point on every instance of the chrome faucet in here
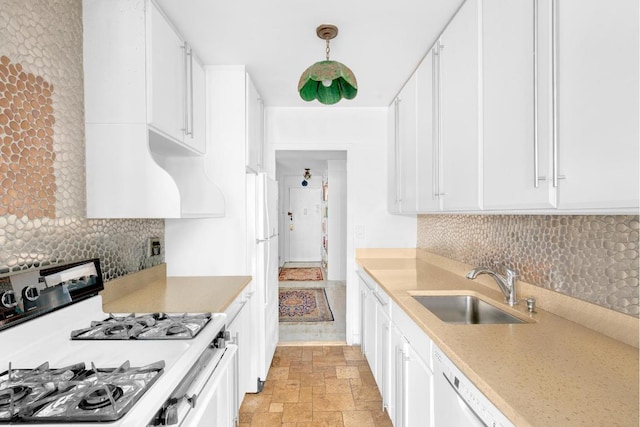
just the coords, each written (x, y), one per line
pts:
(507, 284)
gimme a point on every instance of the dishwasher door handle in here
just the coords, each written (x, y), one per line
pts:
(463, 403)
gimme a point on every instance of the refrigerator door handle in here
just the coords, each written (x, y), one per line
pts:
(266, 271)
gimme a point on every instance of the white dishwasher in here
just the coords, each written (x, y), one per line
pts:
(457, 402)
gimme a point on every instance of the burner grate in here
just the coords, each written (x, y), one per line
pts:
(73, 393)
(156, 326)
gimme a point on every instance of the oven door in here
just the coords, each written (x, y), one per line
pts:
(216, 402)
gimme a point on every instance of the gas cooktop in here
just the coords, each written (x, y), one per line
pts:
(155, 326)
(73, 393)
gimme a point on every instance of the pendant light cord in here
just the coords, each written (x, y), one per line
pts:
(328, 49)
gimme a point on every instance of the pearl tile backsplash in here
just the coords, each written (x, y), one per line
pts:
(43, 38)
(590, 257)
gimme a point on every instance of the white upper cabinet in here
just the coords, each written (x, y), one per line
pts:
(517, 155)
(523, 106)
(597, 117)
(255, 129)
(176, 84)
(198, 137)
(461, 182)
(144, 116)
(407, 173)
(427, 139)
(393, 157)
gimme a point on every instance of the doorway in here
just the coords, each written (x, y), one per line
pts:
(304, 224)
(314, 219)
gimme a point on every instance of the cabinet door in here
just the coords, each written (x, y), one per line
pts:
(418, 382)
(381, 374)
(215, 405)
(407, 173)
(369, 326)
(393, 156)
(197, 137)
(239, 327)
(427, 157)
(459, 74)
(166, 76)
(255, 129)
(516, 160)
(397, 343)
(597, 101)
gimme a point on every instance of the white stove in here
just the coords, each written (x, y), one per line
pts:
(167, 372)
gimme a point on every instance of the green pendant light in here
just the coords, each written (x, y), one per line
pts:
(327, 81)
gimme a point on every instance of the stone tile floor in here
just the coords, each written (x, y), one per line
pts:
(324, 386)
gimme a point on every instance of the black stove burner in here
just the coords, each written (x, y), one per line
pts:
(118, 329)
(177, 329)
(100, 397)
(13, 394)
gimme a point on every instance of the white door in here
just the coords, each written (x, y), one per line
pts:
(304, 224)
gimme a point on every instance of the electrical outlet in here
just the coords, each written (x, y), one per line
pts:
(154, 248)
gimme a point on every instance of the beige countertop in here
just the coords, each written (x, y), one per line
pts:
(151, 291)
(550, 372)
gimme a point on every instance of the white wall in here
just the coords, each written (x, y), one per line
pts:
(337, 226)
(218, 246)
(362, 132)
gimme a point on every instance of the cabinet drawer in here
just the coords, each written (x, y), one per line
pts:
(416, 337)
(381, 297)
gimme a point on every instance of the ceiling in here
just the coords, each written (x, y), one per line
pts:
(382, 41)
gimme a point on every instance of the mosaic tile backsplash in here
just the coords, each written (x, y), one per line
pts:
(591, 257)
(27, 180)
(42, 163)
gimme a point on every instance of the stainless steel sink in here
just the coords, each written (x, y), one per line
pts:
(465, 310)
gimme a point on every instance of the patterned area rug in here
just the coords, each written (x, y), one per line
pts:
(304, 305)
(304, 274)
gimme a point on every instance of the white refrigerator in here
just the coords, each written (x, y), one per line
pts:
(266, 274)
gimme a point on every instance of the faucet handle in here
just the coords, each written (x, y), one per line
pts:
(511, 275)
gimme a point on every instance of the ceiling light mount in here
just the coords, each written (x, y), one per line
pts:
(327, 31)
(327, 81)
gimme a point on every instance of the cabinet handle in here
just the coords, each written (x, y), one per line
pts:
(185, 98)
(380, 300)
(397, 150)
(362, 333)
(190, 128)
(437, 160)
(554, 92)
(435, 81)
(188, 90)
(399, 386)
(536, 176)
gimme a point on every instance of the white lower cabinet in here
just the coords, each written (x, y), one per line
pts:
(239, 326)
(368, 332)
(401, 368)
(216, 405)
(383, 325)
(375, 329)
(417, 390)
